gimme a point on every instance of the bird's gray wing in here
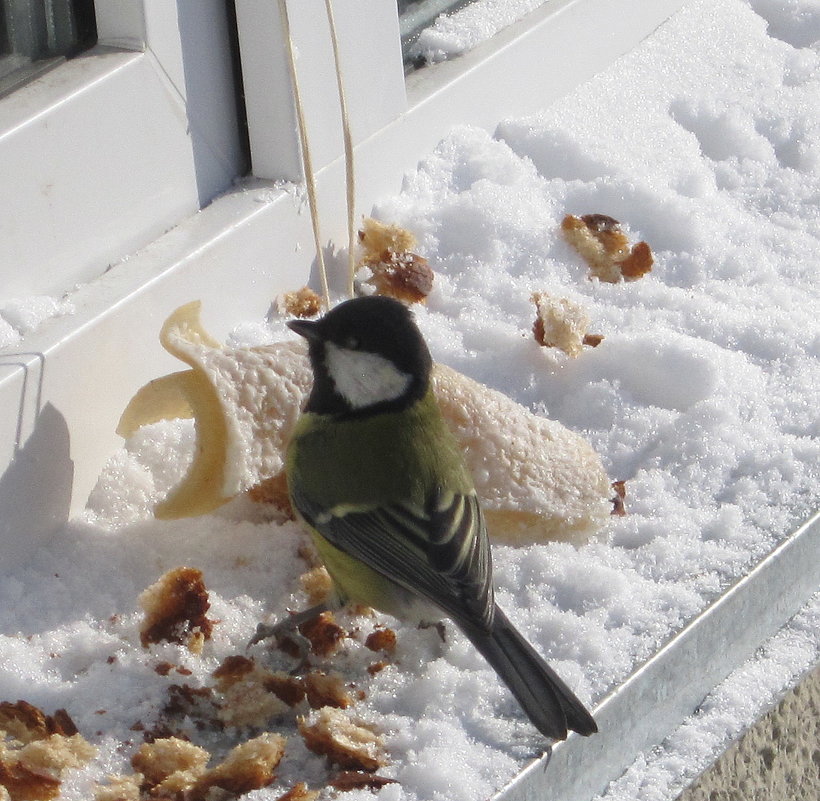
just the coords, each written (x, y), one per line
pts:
(440, 552)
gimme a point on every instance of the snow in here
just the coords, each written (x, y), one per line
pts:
(703, 397)
(24, 315)
(454, 33)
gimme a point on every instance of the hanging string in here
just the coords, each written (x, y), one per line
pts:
(307, 162)
(350, 180)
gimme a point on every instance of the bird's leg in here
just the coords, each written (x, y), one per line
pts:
(290, 627)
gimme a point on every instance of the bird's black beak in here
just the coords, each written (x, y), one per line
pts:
(309, 329)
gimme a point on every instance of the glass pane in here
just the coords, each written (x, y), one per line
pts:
(416, 15)
(33, 33)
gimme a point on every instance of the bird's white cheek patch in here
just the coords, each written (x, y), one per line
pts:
(364, 379)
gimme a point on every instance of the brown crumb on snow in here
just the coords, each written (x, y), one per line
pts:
(395, 270)
(604, 246)
(119, 788)
(288, 689)
(273, 492)
(619, 499)
(317, 584)
(326, 689)
(303, 302)
(34, 771)
(36, 749)
(638, 263)
(232, 669)
(377, 238)
(324, 634)
(347, 743)
(249, 766)
(175, 608)
(175, 768)
(358, 780)
(251, 695)
(167, 757)
(559, 323)
(299, 792)
(25, 722)
(249, 703)
(406, 277)
(381, 639)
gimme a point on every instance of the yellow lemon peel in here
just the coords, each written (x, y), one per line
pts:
(536, 479)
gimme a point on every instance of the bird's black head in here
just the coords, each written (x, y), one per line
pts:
(367, 356)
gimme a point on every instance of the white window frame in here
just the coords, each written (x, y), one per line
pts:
(101, 155)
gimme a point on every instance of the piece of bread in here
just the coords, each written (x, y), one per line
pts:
(535, 478)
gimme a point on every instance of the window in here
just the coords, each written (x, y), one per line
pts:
(36, 35)
(114, 147)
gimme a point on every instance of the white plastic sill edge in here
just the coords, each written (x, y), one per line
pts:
(670, 686)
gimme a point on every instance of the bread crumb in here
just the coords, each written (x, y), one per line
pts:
(376, 237)
(383, 639)
(163, 758)
(347, 743)
(559, 323)
(619, 499)
(175, 608)
(324, 633)
(22, 785)
(195, 702)
(299, 792)
(120, 788)
(56, 753)
(303, 302)
(356, 780)
(25, 722)
(252, 695)
(273, 492)
(289, 689)
(395, 270)
(232, 669)
(638, 263)
(318, 585)
(177, 785)
(249, 703)
(406, 277)
(326, 689)
(34, 771)
(249, 766)
(605, 247)
(593, 340)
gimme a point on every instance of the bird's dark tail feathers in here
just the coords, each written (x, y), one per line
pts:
(549, 703)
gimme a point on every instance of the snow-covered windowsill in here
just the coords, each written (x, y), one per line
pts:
(704, 142)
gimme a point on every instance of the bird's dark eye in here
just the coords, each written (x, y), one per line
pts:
(352, 343)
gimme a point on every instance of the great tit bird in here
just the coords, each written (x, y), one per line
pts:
(376, 474)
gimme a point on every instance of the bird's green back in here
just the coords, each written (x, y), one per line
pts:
(368, 461)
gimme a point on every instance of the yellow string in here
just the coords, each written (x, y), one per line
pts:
(307, 163)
